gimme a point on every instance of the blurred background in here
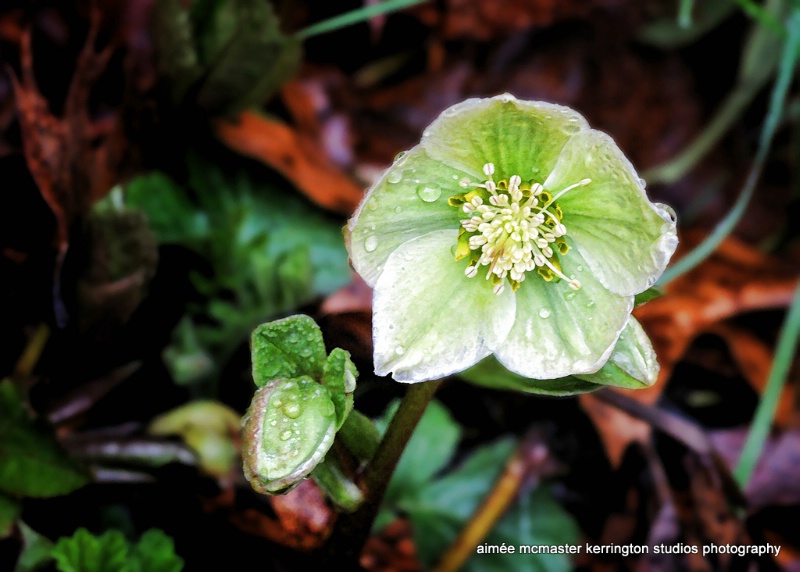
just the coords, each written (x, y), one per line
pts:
(176, 172)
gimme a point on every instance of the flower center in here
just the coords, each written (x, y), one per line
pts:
(513, 227)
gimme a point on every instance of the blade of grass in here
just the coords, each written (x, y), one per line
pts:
(355, 16)
(757, 12)
(685, 13)
(725, 227)
(762, 421)
(758, 63)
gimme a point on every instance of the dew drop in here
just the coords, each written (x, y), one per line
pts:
(273, 423)
(399, 350)
(399, 156)
(544, 313)
(455, 177)
(429, 192)
(371, 243)
(590, 304)
(569, 295)
(398, 209)
(580, 268)
(394, 176)
(372, 205)
(277, 403)
(286, 435)
(292, 410)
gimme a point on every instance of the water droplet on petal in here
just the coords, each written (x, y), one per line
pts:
(544, 313)
(569, 295)
(277, 403)
(580, 269)
(398, 209)
(429, 192)
(590, 304)
(292, 410)
(371, 243)
(399, 156)
(372, 205)
(286, 435)
(273, 423)
(394, 176)
(399, 350)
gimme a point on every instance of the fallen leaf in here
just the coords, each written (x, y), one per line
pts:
(734, 280)
(297, 157)
(303, 522)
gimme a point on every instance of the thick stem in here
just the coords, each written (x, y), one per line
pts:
(347, 540)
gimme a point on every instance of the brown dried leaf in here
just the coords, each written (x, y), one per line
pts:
(734, 280)
(303, 522)
(71, 158)
(296, 156)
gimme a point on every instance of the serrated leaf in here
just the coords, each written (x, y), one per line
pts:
(32, 463)
(339, 376)
(155, 552)
(84, 552)
(287, 348)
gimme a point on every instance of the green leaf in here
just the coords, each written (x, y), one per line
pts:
(155, 552)
(441, 509)
(36, 550)
(9, 512)
(227, 54)
(287, 348)
(32, 463)
(84, 552)
(430, 448)
(633, 363)
(535, 520)
(339, 375)
(646, 296)
(489, 373)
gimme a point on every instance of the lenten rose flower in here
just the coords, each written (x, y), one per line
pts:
(512, 229)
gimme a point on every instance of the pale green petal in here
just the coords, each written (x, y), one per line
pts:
(559, 331)
(408, 201)
(632, 364)
(520, 137)
(429, 319)
(626, 240)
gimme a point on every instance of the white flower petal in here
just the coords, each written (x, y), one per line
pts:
(429, 319)
(627, 240)
(519, 137)
(560, 331)
(408, 201)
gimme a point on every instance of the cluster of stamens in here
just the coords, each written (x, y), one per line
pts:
(513, 227)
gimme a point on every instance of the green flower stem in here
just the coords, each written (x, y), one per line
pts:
(340, 489)
(347, 540)
(725, 227)
(762, 421)
(685, 13)
(360, 436)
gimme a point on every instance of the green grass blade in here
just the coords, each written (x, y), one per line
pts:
(778, 96)
(355, 16)
(685, 13)
(762, 421)
(764, 17)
